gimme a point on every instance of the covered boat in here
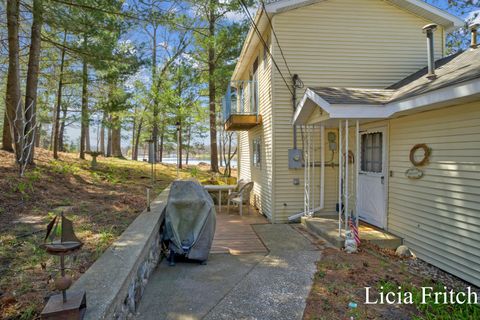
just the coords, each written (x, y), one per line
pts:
(189, 221)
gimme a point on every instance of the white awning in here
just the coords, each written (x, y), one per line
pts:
(314, 109)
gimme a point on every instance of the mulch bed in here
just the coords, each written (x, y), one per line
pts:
(341, 280)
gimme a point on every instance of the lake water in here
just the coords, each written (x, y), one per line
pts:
(193, 161)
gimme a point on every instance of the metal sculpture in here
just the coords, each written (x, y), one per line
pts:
(61, 241)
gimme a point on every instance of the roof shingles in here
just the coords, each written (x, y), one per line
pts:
(449, 71)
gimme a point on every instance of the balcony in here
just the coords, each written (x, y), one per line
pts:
(240, 106)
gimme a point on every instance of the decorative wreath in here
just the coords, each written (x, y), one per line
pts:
(426, 154)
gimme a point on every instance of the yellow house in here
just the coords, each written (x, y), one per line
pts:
(336, 109)
(414, 159)
(328, 43)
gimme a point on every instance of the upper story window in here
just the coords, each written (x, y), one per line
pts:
(257, 153)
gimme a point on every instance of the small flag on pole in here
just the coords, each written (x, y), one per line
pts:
(354, 229)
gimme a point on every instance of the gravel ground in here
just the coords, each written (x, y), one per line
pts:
(418, 266)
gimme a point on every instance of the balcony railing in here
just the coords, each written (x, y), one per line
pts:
(240, 105)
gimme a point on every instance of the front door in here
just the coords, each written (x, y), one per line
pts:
(371, 179)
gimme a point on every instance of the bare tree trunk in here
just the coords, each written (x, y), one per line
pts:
(134, 131)
(109, 137)
(162, 140)
(189, 136)
(84, 115)
(212, 93)
(38, 134)
(61, 133)
(137, 138)
(228, 159)
(6, 135)
(32, 80)
(56, 134)
(116, 137)
(180, 145)
(102, 134)
(222, 147)
(88, 147)
(13, 98)
(155, 99)
(52, 129)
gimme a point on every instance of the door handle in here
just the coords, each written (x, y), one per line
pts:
(382, 179)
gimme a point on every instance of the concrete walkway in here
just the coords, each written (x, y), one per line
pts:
(248, 286)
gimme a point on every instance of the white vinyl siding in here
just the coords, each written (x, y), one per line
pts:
(344, 43)
(262, 175)
(439, 215)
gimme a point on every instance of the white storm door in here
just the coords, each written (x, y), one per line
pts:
(372, 190)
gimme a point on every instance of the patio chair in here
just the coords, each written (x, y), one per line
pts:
(241, 197)
(240, 184)
(234, 192)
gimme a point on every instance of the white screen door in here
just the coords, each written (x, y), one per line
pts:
(372, 191)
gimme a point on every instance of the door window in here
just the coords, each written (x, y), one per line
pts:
(372, 144)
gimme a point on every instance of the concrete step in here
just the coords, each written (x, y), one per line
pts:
(327, 228)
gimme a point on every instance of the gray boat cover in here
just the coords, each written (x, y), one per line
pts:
(190, 220)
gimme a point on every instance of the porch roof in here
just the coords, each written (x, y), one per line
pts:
(457, 81)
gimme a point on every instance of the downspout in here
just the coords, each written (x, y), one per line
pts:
(322, 167)
(340, 189)
(347, 196)
(294, 105)
(357, 171)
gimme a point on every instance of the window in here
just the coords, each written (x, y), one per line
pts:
(257, 153)
(372, 145)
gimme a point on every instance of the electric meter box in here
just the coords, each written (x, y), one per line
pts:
(295, 159)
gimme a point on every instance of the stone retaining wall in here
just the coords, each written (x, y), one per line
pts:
(116, 281)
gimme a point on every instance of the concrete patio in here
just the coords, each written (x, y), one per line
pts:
(255, 271)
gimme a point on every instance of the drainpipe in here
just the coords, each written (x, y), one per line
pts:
(357, 170)
(345, 183)
(429, 29)
(294, 103)
(322, 167)
(340, 180)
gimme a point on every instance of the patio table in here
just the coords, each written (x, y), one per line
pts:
(219, 188)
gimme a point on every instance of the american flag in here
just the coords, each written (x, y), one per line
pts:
(354, 229)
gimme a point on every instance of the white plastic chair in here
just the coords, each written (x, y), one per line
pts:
(241, 197)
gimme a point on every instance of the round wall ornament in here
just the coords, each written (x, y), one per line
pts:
(419, 154)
